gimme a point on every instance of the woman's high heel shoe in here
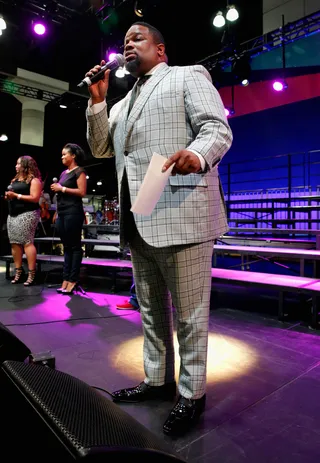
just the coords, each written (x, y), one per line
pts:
(18, 276)
(31, 278)
(63, 287)
(71, 287)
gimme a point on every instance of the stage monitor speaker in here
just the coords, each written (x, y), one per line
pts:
(11, 348)
(50, 415)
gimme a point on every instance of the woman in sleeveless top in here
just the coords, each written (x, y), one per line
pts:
(69, 217)
(23, 203)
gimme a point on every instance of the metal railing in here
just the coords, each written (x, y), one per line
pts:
(268, 192)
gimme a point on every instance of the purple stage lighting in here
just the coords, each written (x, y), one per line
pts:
(111, 56)
(39, 29)
(279, 85)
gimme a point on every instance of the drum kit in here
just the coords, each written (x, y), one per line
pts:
(111, 212)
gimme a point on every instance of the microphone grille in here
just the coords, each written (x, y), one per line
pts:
(55, 180)
(120, 59)
(9, 187)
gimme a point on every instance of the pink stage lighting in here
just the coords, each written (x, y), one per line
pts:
(111, 56)
(279, 85)
(39, 29)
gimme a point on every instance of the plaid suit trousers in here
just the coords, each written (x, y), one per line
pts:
(182, 272)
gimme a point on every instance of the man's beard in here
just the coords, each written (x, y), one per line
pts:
(133, 66)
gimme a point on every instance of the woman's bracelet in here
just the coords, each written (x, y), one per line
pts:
(64, 189)
(19, 196)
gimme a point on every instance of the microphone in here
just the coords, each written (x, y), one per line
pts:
(9, 188)
(54, 180)
(117, 61)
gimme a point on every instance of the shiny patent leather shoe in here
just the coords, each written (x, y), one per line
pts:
(71, 287)
(63, 287)
(145, 392)
(184, 415)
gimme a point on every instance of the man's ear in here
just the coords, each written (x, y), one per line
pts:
(161, 49)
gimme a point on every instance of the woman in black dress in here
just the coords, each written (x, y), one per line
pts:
(69, 217)
(23, 203)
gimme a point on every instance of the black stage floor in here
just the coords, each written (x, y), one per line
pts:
(263, 375)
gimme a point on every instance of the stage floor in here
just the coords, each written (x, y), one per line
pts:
(263, 376)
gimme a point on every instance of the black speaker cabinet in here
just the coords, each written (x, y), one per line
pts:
(48, 415)
(11, 348)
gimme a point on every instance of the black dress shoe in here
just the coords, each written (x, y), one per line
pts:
(183, 415)
(145, 392)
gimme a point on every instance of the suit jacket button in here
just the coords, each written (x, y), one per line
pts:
(126, 153)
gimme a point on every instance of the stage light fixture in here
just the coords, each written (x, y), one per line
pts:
(39, 28)
(241, 69)
(111, 55)
(4, 137)
(138, 8)
(229, 111)
(3, 24)
(218, 20)
(279, 85)
(120, 73)
(232, 13)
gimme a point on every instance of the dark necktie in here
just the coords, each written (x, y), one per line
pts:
(136, 91)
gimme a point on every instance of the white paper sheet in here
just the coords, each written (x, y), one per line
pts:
(152, 186)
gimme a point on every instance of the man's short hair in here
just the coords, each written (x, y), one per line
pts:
(156, 34)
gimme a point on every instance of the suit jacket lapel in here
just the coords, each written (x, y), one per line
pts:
(146, 91)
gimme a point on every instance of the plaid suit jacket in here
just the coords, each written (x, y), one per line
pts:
(178, 108)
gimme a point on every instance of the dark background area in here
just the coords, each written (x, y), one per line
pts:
(69, 49)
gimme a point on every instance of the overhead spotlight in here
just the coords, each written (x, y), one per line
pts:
(3, 24)
(245, 83)
(4, 137)
(279, 85)
(39, 28)
(232, 13)
(219, 20)
(63, 106)
(99, 183)
(138, 8)
(111, 55)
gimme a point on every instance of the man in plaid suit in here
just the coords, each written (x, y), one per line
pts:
(177, 113)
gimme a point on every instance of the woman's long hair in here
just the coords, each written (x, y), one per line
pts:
(29, 170)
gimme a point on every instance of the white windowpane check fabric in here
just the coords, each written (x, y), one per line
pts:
(178, 108)
(186, 272)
